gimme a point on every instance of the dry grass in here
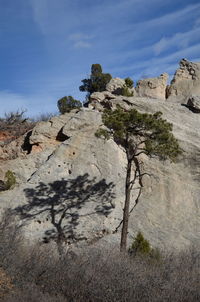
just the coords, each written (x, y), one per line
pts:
(95, 276)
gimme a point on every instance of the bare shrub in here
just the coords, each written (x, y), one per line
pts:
(43, 117)
(14, 124)
(94, 275)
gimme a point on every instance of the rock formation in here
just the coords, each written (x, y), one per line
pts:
(186, 81)
(116, 85)
(153, 87)
(194, 103)
(71, 183)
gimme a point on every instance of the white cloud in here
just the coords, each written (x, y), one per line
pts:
(179, 40)
(197, 22)
(81, 40)
(82, 44)
(168, 63)
(80, 36)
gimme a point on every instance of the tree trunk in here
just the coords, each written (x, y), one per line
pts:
(124, 232)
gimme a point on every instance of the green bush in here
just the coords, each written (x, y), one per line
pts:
(67, 103)
(140, 245)
(10, 180)
(129, 82)
(126, 91)
(97, 81)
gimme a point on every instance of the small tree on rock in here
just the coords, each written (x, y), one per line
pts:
(138, 133)
(67, 103)
(129, 82)
(97, 81)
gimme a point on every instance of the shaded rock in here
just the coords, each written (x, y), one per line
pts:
(116, 85)
(2, 185)
(153, 87)
(194, 103)
(97, 96)
(48, 132)
(186, 80)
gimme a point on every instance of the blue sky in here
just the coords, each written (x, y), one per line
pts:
(48, 46)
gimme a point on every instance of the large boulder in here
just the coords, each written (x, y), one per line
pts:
(78, 185)
(186, 80)
(194, 103)
(116, 86)
(153, 87)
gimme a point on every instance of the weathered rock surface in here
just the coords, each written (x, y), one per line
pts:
(153, 87)
(78, 184)
(194, 103)
(186, 81)
(71, 182)
(116, 85)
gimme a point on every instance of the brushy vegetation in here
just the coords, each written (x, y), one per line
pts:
(129, 82)
(142, 247)
(13, 125)
(67, 103)
(126, 91)
(34, 274)
(10, 180)
(43, 117)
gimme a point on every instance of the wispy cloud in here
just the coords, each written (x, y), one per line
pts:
(179, 40)
(82, 44)
(127, 37)
(81, 40)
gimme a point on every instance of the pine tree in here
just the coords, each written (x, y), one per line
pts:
(138, 133)
(97, 80)
(67, 103)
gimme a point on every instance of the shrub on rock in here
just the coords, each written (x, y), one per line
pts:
(97, 81)
(10, 180)
(67, 103)
(129, 82)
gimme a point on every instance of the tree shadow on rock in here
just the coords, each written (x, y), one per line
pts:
(65, 203)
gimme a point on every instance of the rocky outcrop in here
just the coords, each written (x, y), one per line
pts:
(186, 81)
(153, 87)
(194, 103)
(80, 181)
(71, 183)
(116, 85)
(101, 100)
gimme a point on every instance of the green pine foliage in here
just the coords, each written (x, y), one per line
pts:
(140, 245)
(126, 91)
(97, 81)
(138, 133)
(10, 180)
(67, 103)
(129, 82)
(132, 127)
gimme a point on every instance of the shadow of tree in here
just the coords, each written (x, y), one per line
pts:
(65, 202)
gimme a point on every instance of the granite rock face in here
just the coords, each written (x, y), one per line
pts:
(153, 87)
(186, 81)
(80, 181)
(71, 183)
(116, 85)
(194, 103)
